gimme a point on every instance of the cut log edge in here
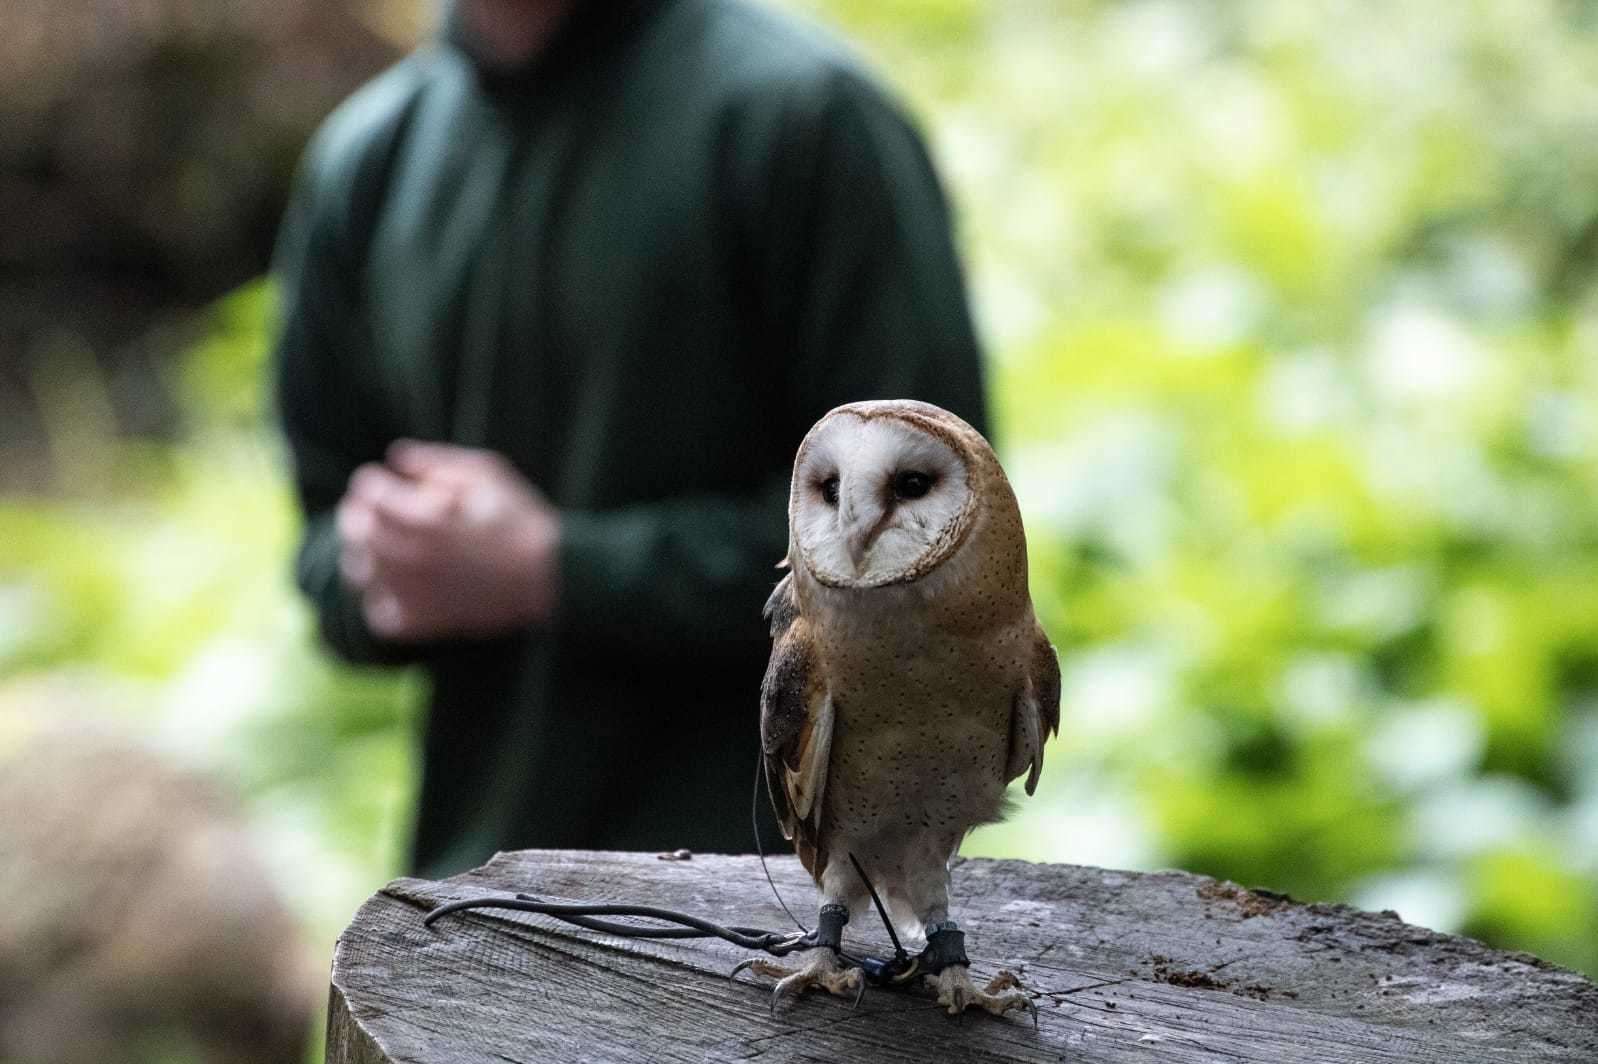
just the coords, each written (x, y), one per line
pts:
(1524, 1006)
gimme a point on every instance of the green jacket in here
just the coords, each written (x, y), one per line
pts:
(641, 267)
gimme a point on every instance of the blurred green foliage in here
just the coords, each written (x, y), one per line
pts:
(158, 584)
(1295, 351)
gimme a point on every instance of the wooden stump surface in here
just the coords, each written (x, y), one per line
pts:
(1164, 966)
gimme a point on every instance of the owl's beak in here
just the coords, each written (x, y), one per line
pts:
(859, 520)
(857, 541)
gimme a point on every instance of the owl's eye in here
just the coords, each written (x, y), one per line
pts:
(829, 490)
(911, 484)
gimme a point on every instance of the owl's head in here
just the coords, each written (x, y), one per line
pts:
(883, 492)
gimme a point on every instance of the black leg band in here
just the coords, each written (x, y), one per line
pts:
(829, 926)
(945, 947)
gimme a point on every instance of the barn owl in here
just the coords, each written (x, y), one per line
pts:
(909, 681)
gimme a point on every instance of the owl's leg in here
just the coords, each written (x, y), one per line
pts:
(952, 980)
(821, 969)
(949, 969)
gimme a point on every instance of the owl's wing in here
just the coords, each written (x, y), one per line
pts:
(795, 729)
(1035, 714)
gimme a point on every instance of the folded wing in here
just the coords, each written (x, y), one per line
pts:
(1035, 714)
(796, 717)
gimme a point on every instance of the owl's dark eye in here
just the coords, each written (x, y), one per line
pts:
(829, 490)
(911, 484)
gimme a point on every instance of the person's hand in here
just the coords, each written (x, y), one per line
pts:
(447, 541)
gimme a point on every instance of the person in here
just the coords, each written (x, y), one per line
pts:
(560, 294)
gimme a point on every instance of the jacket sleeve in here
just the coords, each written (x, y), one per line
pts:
(842, 222)
(322, 380)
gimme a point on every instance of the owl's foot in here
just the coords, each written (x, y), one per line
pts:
(822, 970)
(957, 993)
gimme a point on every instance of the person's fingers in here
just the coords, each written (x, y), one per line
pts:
(355, 565)
(354, 520)
(371, 480)
(418, 506)
(394, 545)
(385, 614)
(394, 612)
(420, 458)
(378, 541)
(413, 457)
(376, 496)
(395, 518)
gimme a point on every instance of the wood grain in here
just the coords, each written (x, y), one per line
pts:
(1164, 966)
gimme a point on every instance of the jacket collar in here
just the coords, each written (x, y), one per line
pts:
(590, 30)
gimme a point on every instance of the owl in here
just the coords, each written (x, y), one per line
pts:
(909, 680)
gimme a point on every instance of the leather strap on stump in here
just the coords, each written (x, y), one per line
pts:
(829, 926)
(945, 946)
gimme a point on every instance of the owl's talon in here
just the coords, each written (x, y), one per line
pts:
(1002, 994)
(822, 970)
(1005, 980)
(1008, 980)
(750, 962)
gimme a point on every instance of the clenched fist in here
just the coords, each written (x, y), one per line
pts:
(447, 541)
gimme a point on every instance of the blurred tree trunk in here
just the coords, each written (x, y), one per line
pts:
(146, 148)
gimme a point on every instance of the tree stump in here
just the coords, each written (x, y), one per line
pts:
(1165, 966)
